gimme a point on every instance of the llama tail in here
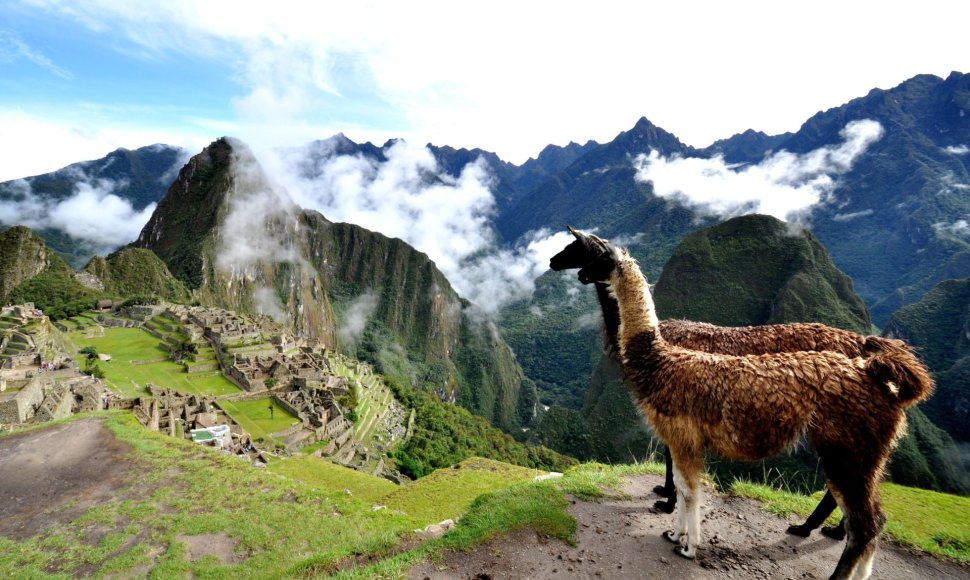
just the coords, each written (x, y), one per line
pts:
(903, 374)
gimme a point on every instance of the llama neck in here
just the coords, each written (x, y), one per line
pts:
(637, 312)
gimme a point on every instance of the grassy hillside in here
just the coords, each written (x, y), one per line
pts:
(302, 517)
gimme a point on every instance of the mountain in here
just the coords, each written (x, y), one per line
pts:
(939, 326)
(31, 272)
(135, 272)
(896, 222)
(139, 177)
(238, 242)
(756, 269)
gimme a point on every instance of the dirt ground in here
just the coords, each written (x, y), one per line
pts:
(622, 539)
(50, 476)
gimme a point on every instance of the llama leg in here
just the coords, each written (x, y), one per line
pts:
(680, 517)
(836, 532)
(824, 509)
(667, 489)
(856, 488)
(687, 471)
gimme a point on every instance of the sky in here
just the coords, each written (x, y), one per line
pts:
(80, 79)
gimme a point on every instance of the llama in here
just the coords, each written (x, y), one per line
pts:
(754, 406)
(725, 340)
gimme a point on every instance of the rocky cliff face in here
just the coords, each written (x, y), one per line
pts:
(22, 256)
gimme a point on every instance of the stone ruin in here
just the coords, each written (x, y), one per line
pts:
(167, 411)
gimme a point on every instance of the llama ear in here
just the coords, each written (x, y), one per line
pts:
(576, 233)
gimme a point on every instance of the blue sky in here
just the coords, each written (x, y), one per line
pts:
(79, 79)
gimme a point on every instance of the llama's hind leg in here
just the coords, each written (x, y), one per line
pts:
(824, 509)
(857, 492)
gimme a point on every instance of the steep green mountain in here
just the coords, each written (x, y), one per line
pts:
(22, 256)
(939, 326)
(31, 272)
(139, 176)
(757, 269)
(238, 242)
(136, 272)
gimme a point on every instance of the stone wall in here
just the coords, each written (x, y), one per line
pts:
(20, 407)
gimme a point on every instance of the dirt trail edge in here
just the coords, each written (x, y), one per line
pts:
(621, 539)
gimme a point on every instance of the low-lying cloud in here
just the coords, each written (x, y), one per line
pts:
(409, 197)
(94, 213)
(784, 184)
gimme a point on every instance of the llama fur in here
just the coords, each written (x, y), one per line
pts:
(749, 407)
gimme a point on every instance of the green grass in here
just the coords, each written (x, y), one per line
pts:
(933, 522)
(126, 345)
(324, 474)
(180, 488)
(255, 417)
(448, 492)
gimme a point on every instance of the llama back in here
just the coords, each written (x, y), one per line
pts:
(766, 339)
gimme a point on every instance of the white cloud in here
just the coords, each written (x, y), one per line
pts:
(44, 143)
(410, 198)
(12, 48)
(957, 149)
(94, 213)
(783, 185)
(434, 72)
(844, 217)
(354, 320)
(959, 228)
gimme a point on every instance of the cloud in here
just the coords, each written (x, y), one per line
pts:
(355, 319)
(957, 149)
(844, 217)
(93, 213)
(959, 229)
(783, 185)
(12, 48)
(408, 196)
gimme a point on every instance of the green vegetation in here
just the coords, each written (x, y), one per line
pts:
(927, 520)
(320, 473)
(139, 273)
(452, 490)
(297, 519)
(445, 434)
(256, 417)
(136, 360)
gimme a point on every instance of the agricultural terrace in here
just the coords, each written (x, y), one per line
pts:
(137, 359)
(256, 418)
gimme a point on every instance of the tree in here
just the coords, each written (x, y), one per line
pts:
(185, 350)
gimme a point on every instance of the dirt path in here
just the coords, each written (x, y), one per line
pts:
(50, 476)
(621, 539)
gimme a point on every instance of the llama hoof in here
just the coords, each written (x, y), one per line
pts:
(662, 491)
(684, 552)
(666, 507)
(834, 532)
(800, 531)
(670, 536)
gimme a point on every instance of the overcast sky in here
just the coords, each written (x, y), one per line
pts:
(79, 79)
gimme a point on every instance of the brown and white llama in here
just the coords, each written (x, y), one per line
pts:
(726, 340)
(749, 407)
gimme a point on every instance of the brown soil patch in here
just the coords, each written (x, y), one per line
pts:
(221, 546)
(621, 539)
(50, 476)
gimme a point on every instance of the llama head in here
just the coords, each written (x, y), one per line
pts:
(602, 267)
(583, 250)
